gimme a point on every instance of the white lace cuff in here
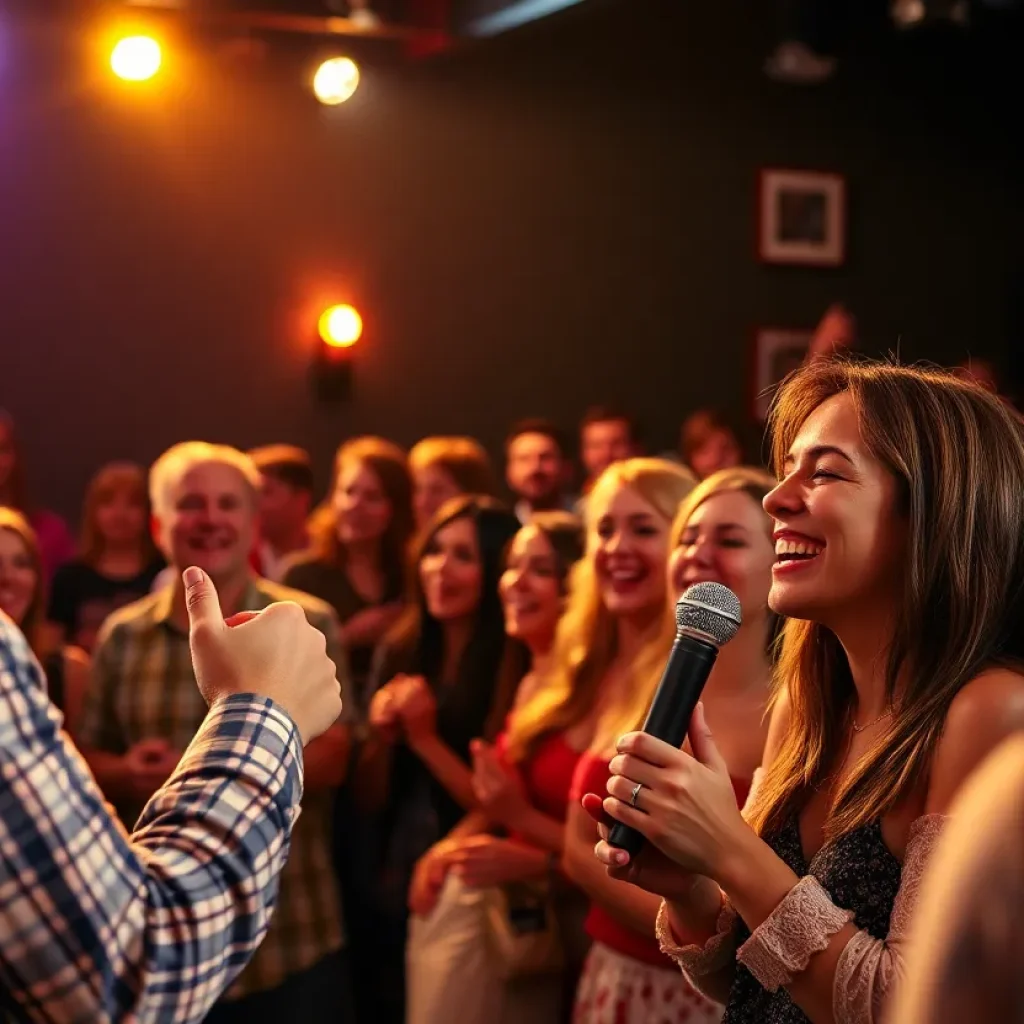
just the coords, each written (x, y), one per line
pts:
(800, 926)
(697, 961)
(869, 969)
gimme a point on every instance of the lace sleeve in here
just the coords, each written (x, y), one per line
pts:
(869, 968)
(805, 921)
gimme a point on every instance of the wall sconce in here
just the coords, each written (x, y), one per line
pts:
(340, 327)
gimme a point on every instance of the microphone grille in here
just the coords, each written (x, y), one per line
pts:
(711, 609)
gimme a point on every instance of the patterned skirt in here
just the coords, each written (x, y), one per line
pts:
(617, 989)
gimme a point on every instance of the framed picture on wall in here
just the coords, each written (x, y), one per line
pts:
(777, 352)
(802, 218)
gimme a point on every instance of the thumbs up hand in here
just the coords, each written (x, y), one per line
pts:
(272, 653)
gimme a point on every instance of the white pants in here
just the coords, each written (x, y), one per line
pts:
(450, 975)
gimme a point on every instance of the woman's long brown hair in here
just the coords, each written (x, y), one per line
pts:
(956, 453)
(108, 481)
(388, 462)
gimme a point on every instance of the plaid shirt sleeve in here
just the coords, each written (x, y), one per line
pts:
(99, 927)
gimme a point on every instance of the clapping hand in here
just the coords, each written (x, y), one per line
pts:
(496, 787)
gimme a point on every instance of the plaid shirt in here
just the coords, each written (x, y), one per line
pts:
(143, 687)
(97, 927)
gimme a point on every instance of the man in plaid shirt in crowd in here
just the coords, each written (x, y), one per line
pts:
(142, 709)
(97, 926)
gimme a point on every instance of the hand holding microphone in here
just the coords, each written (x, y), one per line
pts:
(707, 617)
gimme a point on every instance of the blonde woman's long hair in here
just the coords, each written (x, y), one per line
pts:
(585, 645)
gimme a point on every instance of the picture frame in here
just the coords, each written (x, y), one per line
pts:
(777, 352)
(802, 218)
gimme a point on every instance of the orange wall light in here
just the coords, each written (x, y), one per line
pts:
(340, 326)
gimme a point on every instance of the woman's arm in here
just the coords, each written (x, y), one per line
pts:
(540, 829)
(849, 974)
(630, 906)
(499, 793)
(446, 766)
(416, 711)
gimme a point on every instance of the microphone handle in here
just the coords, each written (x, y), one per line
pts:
(686, 672)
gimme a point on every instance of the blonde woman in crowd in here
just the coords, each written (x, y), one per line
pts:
(720, 533)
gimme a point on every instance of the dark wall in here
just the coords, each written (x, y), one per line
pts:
(542, 221)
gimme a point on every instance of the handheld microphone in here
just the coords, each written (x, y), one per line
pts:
(707, 616)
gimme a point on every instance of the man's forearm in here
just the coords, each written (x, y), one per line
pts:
(158, 925)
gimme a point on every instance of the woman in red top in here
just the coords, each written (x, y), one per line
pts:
(721, 534)
(521, 789)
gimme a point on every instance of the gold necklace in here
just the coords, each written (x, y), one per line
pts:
(867, 725)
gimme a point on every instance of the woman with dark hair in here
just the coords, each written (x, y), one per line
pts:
(117, 560)
(433, 690)
(521, 784)
(23, 601)
(56, 545)
(899, 563)
(360, 539)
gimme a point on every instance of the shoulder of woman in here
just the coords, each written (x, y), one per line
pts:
(302, 565)
(986, 711)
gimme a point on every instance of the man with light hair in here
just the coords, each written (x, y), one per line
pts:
(142, 710)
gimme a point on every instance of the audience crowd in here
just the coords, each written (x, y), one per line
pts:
(491, 653)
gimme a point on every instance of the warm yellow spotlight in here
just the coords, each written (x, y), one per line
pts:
(340, 326)
(336, 80)
(136, 58)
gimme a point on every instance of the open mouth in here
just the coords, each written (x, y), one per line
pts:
(625, 578)
(213, 543)
(789, 551)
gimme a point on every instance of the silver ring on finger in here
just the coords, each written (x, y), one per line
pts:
(635, 795)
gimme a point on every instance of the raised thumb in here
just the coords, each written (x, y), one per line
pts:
(202, 602)
(702, 743)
